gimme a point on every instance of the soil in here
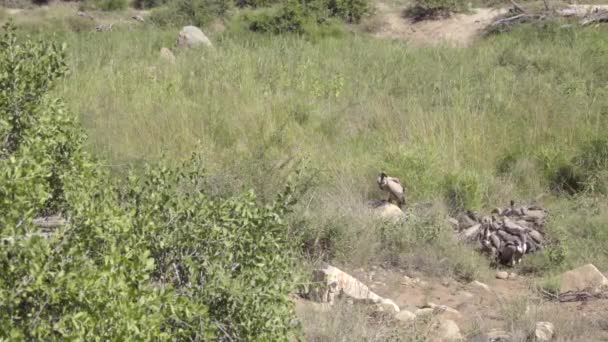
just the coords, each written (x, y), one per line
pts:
(457, 30)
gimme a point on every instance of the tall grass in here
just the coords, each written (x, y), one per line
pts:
(442, 119)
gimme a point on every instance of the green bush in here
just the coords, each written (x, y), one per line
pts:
(231, 255)
(152, 258)
(306, 16)
(190, 12)
(146, 4)
(434, 9)
(288, 17)
(461, 191)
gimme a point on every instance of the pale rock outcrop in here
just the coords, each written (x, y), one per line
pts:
(332, 282)
(389, 211)
(445, 330)
(586, 277)
(544, 331)
(192, 36)
(481, 286)
(405, 316)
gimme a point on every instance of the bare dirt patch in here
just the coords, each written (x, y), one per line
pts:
(457, 30)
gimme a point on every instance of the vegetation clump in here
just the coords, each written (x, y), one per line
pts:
(150, 258)
(434, 9)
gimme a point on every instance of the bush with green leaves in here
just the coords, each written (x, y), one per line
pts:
(307, 16)
(152, 258)
(190, 12)
(232, 255)
(434, 9)
(105, 5)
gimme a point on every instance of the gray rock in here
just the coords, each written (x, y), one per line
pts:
(192, 36)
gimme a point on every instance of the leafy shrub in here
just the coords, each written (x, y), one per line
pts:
(418, 171)
(350, 10)
(434, 9)
(190, 12)
(112, 5)
(146, 4)
(289, 17)
(231, 255)
(306, 16)
(155, 260)
(461, 191)
(586, 171)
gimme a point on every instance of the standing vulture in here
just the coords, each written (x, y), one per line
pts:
(393, 186)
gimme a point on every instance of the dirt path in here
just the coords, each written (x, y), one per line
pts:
(510, 305)
(458, 30)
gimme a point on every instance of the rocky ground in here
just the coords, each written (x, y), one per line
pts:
(507, 308)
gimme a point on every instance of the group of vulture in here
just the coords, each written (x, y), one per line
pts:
(507, 234)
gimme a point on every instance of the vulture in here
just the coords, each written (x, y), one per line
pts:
(393, 186)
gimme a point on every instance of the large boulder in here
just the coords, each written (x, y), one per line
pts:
(544, 331)
(389, 211)
(586, 277)
(331, 282)
(192, 36)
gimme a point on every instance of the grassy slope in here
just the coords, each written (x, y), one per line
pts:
(354, 106)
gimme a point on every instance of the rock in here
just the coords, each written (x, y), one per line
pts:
(388, 305)
(544, 331)
(470, 234)
(389, 211)
(167, 55)
(498, 336)
(445, 330)
(480, 285)
(332, 281)
(192, 36)
(502, 275)
(405, 316)
(424, 312)
(586, 277)
(454, 223)
(512, 275)
(138, 18)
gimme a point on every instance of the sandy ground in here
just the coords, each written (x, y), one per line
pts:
(458, 30)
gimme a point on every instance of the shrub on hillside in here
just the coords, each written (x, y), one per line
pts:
(434, 9)
(156, 260)
(461, 191)
(190, 12)
(104, 5)
(309, 17)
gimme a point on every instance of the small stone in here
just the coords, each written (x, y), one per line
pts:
(446, 330)
(502, 275)
(424, 312)
(480, 285)
(544, 331)
(167, 55)
(405, 316)
(512, 275)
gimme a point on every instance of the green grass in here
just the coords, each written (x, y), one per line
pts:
(353, 106)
